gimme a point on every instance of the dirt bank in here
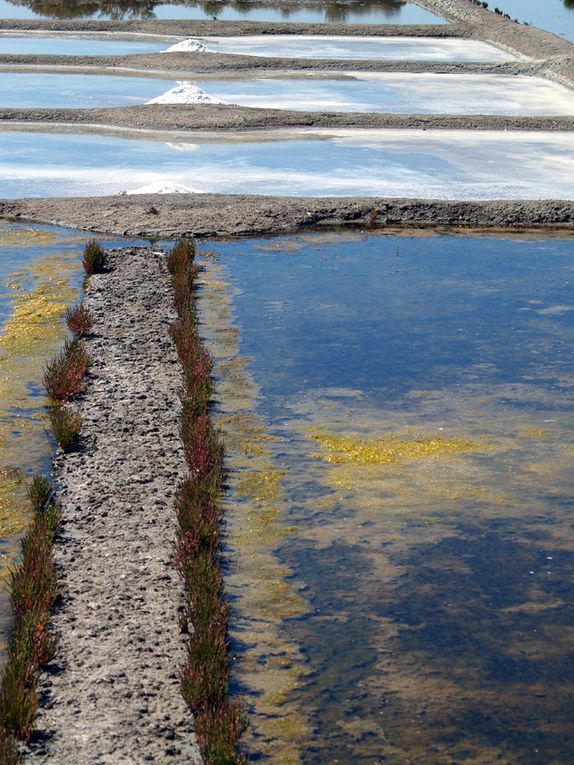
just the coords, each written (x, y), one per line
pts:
(171, 122)
(171, 215)
(113, 693)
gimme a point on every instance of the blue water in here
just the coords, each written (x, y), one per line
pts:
(77, 91)
(76, 46)
(555, 16)
(438, 590)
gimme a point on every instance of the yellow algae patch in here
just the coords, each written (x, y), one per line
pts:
(344, 449)
(39, 294)
(23, 236)
(260, 484)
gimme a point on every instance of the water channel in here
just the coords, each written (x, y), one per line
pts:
(311, 12)
(399, 423)
(556, 16)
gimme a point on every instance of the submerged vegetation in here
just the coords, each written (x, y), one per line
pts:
(34, 589)
(205, 677)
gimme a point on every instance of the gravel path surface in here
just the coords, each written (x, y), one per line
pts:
(171, 215)
(112, 696)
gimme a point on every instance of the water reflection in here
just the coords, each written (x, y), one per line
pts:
(416, 396)
(312, 11)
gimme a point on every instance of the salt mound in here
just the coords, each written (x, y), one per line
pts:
(185, 93)
(162, 188)
(189, 45)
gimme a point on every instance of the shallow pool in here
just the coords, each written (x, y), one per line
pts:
(447, 164)
(75, 45)
(350, 12)
(343, 92)
(77, 91)
(400, 433)
(355, 48)
(389, 92)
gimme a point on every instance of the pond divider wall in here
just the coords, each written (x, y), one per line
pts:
(111, 691)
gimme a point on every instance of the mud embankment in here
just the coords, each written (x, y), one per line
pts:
(172, 215)
(113, 694)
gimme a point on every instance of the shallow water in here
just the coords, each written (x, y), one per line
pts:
(556, 16)
(446, 164)
(351, 12)
(349, 92)
(357, 48)
(77, 91)
(400, 431)
(40, 275)
(74, 45)
(399, 94)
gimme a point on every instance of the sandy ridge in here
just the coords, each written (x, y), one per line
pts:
(112, 696)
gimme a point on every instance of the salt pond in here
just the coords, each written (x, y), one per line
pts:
(411, 93)
(343, 92)
(75, 45)
(444, 164)
(354, 48)
(400, 432)
(353, 12)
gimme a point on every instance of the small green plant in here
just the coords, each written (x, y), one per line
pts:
(39, 492)
(80, 320)
(64, 374)
(94, 258)
(66, 426)
(33, 589)
(219, 722)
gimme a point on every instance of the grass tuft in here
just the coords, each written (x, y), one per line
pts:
(66, 426)
(64, 374)
(39, 492)
(219, 722)
(79, 320)
(94, 258)
(33, 590)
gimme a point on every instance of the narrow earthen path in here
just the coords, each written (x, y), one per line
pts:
(112, 695)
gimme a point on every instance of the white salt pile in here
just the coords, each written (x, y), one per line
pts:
(190, 45)
(185, 93)
(162, 188)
